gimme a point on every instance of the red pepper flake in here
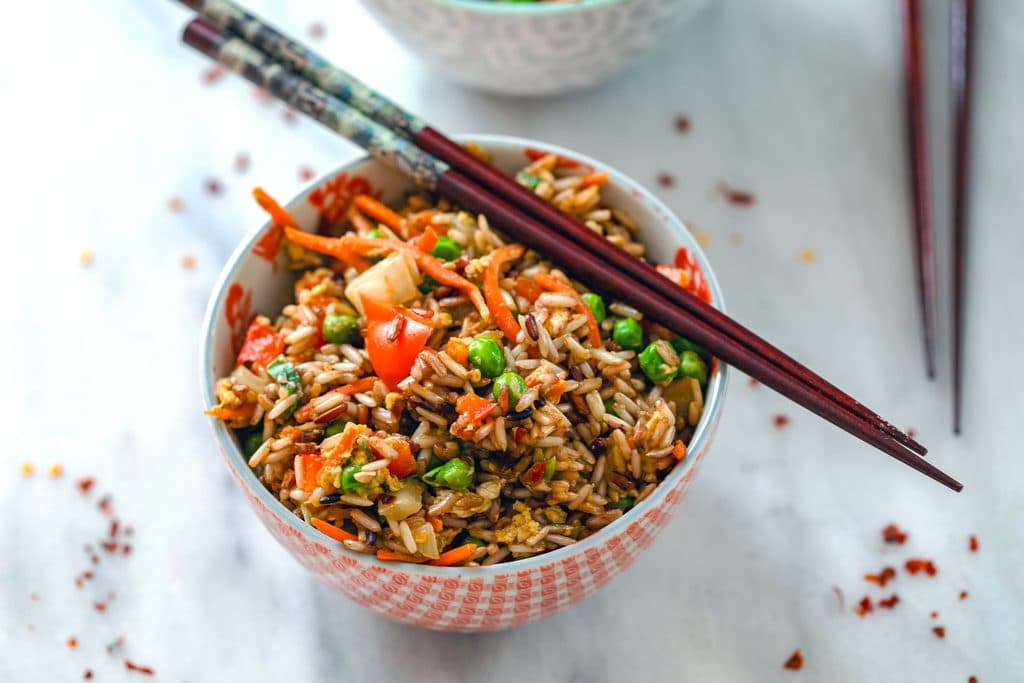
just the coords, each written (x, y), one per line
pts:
(916, 565)
(82, 578)
(317, 30)
(132, 666)
(306, 174)
(666, 179)
(935, 615)
(87, 675)
(213, 74)
(72, 642)
(115, 646)
(780, 421)
(889, 602)
(734, 196)
(109, 546)
(795, 661)
(893, 534)
(175, 204)
(939, 631)
(114, 525)
(883, 577)
(126, 549)
(753, 383)
(863, 607)
(681, 123)
(213, 187)
(188, 262)
(972, 679)
(85, 484)
(242, 162)
(34, 597)
(963, 595)
(106, 505)
(972, 543)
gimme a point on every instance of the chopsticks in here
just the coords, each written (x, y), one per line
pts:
(466, 190)
(917, 160)
(962, 25)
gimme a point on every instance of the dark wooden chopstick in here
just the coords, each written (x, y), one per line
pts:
(241, 57)
(917, 162)
(297, 57)
(962, 31)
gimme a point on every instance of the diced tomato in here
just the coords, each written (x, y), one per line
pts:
(262, 345)
(475, 408)
(310, 465)
(403, 464)
(393, 359)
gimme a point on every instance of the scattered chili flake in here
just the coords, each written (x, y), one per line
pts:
(935, 615)
(808, 255)
(752, 382)
(734, 196)
(883, 577)
(72, 642)
(87, 675)
(840, 597)
(972, 543)
(115, 646)
(795, 661)
(682, 123)
(972, 679)
(242, 162)
(893, 534)
(55, 470)
(666, 179)
(317, 30)
(85, 484)
(175, 204)
(863, 607)
(100, 607)
(963, 595)
(889, 602)
(82, 578)
(306, 174)
(213, 187)
(126, 549)
(109, 546)
(34, 597)
(188, 261)
(780, 421)
(27, 469)
(132, 666)
(213, 74)
(916, 564)
(939, 631)
(106, 505)
(86, 257)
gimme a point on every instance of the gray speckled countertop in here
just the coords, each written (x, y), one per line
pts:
(798, 102)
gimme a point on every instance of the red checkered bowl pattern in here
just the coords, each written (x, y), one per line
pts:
(446, 598)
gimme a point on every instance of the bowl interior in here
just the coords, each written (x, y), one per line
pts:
(255, 280)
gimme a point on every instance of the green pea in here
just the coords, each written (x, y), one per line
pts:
(624, 502)
(628, 333)
(681, 344)
(446, 249)
(428, 285)
(596, 305)
(455, 474)
(334, 428)
(549, 468)
(348, 483)
(486, 355)
(692, 365)
(467, 538)
(654, 366)
(339, 328)
(529, 180)
(252, 443)
(515, 384)
(374, 233)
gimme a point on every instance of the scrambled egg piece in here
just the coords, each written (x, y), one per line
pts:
(555, 514)
(520, 527)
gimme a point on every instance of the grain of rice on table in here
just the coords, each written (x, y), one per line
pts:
(396, 407)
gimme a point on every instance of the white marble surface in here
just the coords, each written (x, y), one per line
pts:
(796, 101)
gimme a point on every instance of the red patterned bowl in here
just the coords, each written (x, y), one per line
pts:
(445, 598)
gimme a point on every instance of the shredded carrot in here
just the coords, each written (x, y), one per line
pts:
(389, 556)
(348, 437)
(503, 317)
(242, 412)
(598, 179)
(377, 211)
(331, 530)
(424, 219)
(458, 351)
(278, 213)
(527, 289)
(679, 450)
(556, 390)
(474, 408)
(460, 554)
(427, 240)
(332, 246)
(553, 284)
(434, 522)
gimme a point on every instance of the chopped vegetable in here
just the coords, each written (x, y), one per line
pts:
(691, 365)
(549, 468)
(528, 180)
(551, 283)
(405, 502)
(486, 355)
(455, 474)
(628, 333)
(527, 289)
(327, 245)
(657, 369)
(499, 310)
(392, 355)
(378, 212)
(596, 305)
(474, 408)
(513, 383)
(347, 481)
(446, 249)
(680, 344)
(308, 465)
(394, 280)
(624, 502)
(334, 428)
(286, 376)
(457, 350)
(403, 464)
(450, 557)
(331, 530)
(262, 344)
(598, 178)
(427, 240)
(339, 328)
(229, 414)
(252, 443)
(389, 556)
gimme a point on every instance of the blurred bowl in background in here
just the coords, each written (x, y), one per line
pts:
(534, 48)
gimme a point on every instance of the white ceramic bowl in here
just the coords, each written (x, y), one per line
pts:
(448, 598)
(530, 48)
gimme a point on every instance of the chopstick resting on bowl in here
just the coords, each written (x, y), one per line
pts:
(432, 173)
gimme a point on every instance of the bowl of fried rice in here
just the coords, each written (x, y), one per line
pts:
(436, 420)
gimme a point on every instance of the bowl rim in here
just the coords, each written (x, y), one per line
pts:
(502, 8)
(703, 433)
